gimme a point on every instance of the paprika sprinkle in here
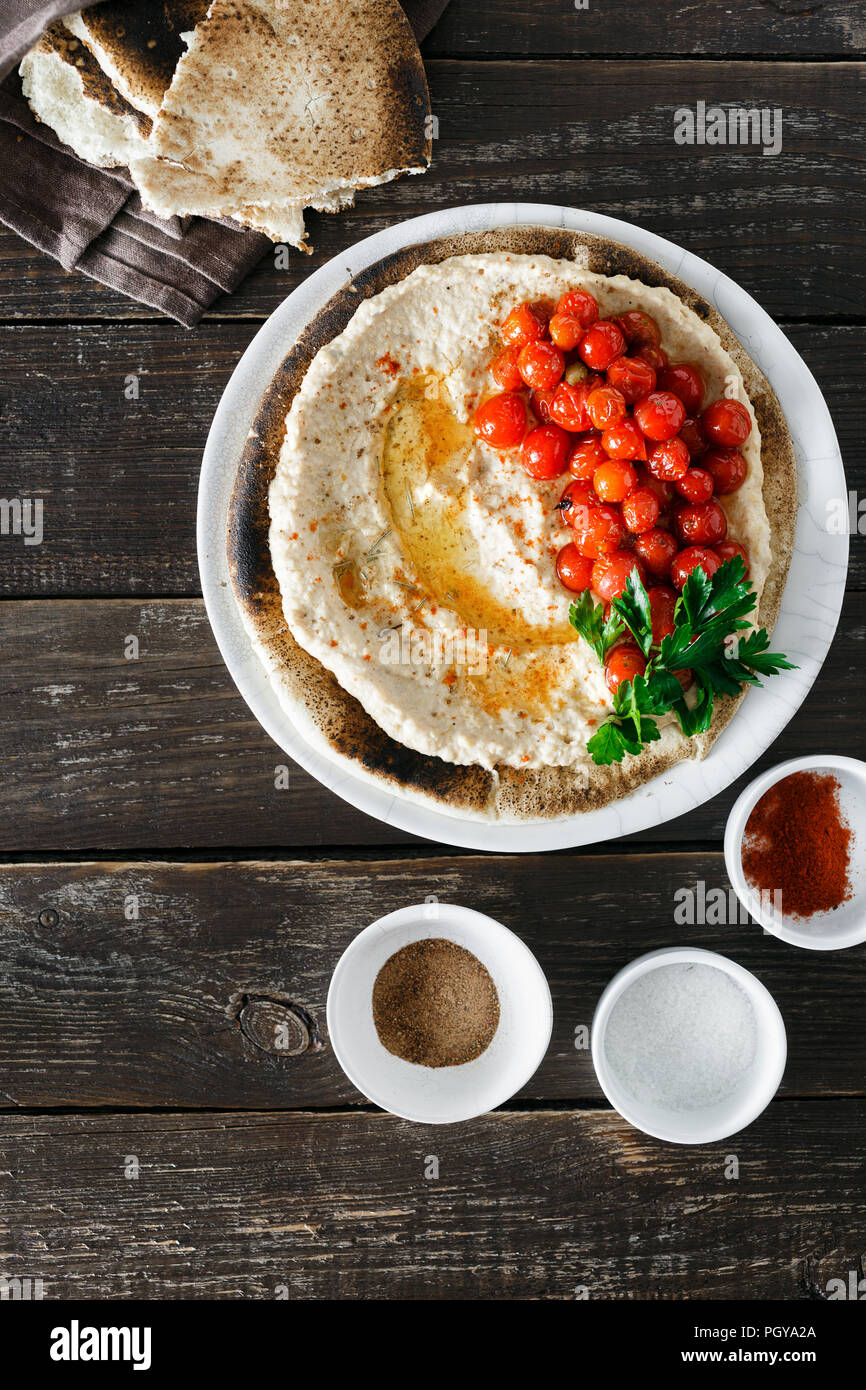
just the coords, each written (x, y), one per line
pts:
(797, 842)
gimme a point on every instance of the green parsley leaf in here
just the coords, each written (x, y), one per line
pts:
(633, 607)
(587, 617)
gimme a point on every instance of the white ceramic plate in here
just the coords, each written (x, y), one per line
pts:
(810, 607)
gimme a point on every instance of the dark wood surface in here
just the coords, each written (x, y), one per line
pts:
(147, 1037)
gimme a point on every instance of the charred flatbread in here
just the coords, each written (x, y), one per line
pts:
(138, 45)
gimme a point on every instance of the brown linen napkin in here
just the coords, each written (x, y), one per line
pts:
(92, 219)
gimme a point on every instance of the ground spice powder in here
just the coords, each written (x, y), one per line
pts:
(798, 843)
(435, 1004)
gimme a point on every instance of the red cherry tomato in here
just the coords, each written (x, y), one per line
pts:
(640, 329)
(655, 357)
(541, 365)
(501, 420)
(624, 663)
(696, 485)
(657, 548)
(632, 377)
(568, 407)
(606, 407)
(692, 436)
(586, 456)
(701, 523)
(580, 305)
(728, 469)
(660, 415)
(576, 492)
(727, 423)
(525, 324)
(566, 331)
(610, 573)
(624, 441)
(614, 480)
(690, 559)
(573, 569)
(669, 461)
(544, 452)
(664, 491)
(726, 550)
(686, 382)
(601, 344)
(640, 510)
(662, 601)
(504, 370)
(540, 403)
(597, 530)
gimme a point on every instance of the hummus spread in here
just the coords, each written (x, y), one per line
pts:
(417, 563)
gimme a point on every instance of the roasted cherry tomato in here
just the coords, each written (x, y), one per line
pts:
(685, 381)
(614, 480)
(624, 441)
(501, 420)
(505, 371)
(656, 357)
(727, 423)
(568, 407)
(610, 573)
(597, 530)
(632, 377)
(573, 569)
(544, 452)
(540, 403)
(728, 469)
(726, 550)
(694, 557)
(623, 663)
(606, 406)
(586, 456)
(696, 485)
(640, 510)
(574, 493)
(525, 324)
(580, 305)
(566, 331)
(701, 523)
(693, 438)
(660, 415)
(657, 548)
(601, 344)
(640, 329)
(541, 365)
(669, 461)
(663, 490)
(662, 602)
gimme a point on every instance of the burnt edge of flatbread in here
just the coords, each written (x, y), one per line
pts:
(509, 793)
(144, 41)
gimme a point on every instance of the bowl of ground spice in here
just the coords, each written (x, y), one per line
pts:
(795, 851)
(438, 1013)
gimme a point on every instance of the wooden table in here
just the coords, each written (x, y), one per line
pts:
(162, 903)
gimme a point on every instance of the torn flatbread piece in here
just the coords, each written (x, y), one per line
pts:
(283, 101)
(138, 44)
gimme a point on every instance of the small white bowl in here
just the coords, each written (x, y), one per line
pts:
(712, 1122)
(825, 931)
(440, 1095)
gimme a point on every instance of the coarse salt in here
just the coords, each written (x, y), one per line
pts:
(681, 1036)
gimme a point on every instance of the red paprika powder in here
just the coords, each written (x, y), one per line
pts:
(797, 842)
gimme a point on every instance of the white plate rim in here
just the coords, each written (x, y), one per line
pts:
(816, 580)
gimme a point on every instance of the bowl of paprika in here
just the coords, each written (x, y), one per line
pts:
(795, 851)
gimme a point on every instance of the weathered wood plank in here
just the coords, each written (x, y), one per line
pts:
(178, 1006)
(106, 753)
(540, 1206)
(118, 472)
(597, 134)
(768, 27)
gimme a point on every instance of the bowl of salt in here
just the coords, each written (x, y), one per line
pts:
(687, 1045)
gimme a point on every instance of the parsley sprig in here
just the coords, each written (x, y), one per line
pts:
(709, 617)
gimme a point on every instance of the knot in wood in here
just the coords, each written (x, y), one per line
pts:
(278, 1026)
